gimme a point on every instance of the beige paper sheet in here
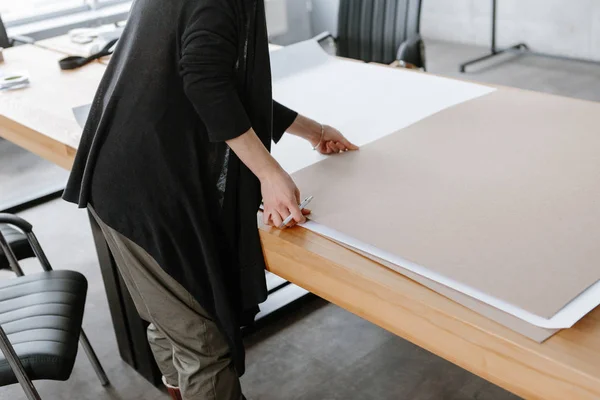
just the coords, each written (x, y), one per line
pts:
(501, 193)
(531, 331)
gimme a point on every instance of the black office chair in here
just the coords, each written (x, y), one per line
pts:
(41, 314)
(382, 31)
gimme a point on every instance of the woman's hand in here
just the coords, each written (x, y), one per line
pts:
(332, 142)
(280, 194)
(327, 141)
(280, 199)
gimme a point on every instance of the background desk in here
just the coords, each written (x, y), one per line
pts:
(565, 367)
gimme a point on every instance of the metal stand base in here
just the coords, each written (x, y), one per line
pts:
(493, 53)
(521, 47)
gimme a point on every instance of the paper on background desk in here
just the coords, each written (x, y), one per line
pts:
(81, 114)
(364, 101)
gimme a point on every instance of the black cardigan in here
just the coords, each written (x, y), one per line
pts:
(186, 76)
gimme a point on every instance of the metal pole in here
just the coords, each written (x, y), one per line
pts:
(89, 351)
(10, 256)
(494, 9)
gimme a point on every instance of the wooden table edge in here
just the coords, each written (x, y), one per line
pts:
(44, 146)
(506, 359)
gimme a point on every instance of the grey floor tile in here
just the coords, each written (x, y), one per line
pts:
(398, 370)
(335, 337)
(24, 175)
(278, 370)
(339, 387)
(393, 371)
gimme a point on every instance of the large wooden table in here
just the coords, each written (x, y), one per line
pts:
(567, 366)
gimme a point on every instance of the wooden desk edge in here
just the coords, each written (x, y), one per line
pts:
(50, 149)
(304, 259)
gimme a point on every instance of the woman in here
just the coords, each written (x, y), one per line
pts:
(173, 163)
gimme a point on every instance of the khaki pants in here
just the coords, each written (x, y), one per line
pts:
(189, 348)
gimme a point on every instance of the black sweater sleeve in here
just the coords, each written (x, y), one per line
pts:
(283, 117)
(207, 66)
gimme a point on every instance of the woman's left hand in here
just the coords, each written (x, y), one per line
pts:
(332, 142)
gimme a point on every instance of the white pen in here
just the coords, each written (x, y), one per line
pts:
(302, 206)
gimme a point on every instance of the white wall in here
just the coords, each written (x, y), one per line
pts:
(298, 23)
(308, 18)
(277, 18)
(561, 27)
(324, 16)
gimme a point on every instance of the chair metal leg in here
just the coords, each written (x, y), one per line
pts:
(17, 367)
(89, 351)
(10, 255)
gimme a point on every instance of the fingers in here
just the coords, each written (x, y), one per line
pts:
(335, 147)
(340, 146)
(297, 194)
(324, 149)
(348, 144)
(295, 212)
(297, 215)
(281, 200)
(332, 147)
(277, 218)
(284, 212)
(333, 135)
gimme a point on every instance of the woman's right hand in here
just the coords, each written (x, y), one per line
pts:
(280, 198)
(279, 192)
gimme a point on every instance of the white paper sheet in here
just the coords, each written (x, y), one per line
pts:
(364, 101)
(81, 114)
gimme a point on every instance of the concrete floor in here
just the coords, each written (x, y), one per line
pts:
(24, 175)
(319, 352)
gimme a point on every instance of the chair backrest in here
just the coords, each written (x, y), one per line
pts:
(4, 40)
(373, 30)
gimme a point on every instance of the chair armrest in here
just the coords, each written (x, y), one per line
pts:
(27, 228)
(19, 222)
(412, 51)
